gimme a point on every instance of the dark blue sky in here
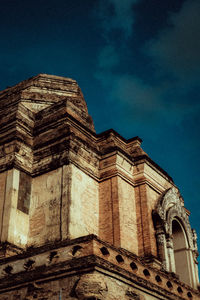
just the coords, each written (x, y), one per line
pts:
(136, 61)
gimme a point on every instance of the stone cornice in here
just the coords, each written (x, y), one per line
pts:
(42, 116)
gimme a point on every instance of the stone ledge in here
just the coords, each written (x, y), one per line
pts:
(83, 255)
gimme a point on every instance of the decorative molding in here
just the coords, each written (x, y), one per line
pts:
(170, 207)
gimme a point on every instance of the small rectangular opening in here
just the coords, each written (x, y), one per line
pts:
(24, 194)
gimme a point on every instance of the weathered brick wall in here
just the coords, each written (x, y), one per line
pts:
(45, 208)
(106, 211)
(118, 214)
(14, 221)
(59, 180)
(127, 216)
(84, 204)
(3, 177)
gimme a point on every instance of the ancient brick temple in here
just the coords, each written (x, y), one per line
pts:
(85, 215)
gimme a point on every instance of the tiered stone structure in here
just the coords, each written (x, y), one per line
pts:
(84, 215)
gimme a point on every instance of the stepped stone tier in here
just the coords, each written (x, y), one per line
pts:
(85, 215)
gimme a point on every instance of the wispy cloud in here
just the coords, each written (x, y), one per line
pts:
(116, 19)
(108, 57)
(177, 48)
(116, 14)
(174, 55)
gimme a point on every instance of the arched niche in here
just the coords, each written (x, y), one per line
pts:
(181, 253)
(175, 238)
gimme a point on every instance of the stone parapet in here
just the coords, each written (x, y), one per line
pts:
(89, 261)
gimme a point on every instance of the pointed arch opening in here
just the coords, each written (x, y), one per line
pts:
(180, 246)
(176, 241)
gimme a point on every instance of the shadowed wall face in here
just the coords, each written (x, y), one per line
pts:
(24, 193)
